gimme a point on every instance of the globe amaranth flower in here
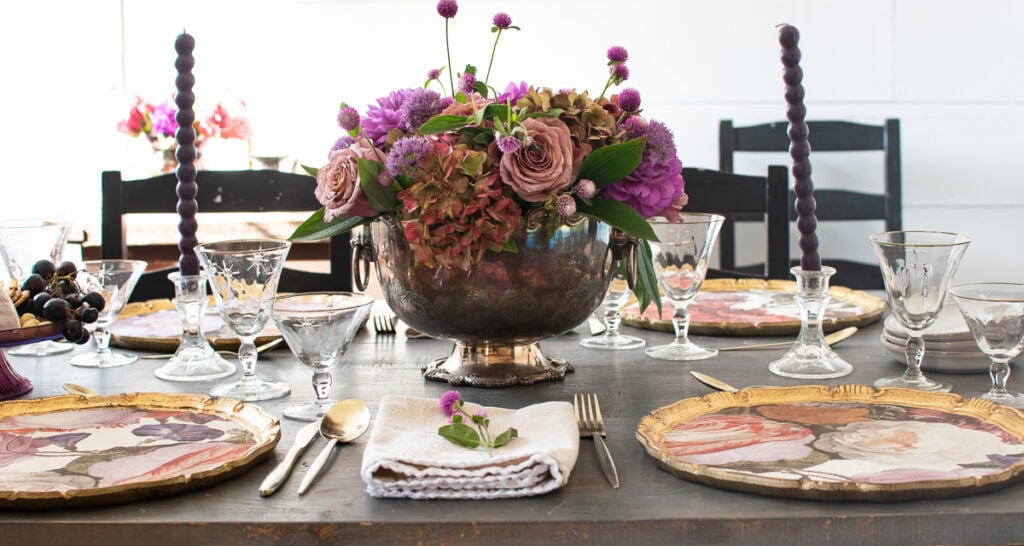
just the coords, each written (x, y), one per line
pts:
(508, 144)
(651, 188)
(660, 143)
(629, 99)
(617, 54)
(337, 183)
(448, 401)
(545, 166)
(384, 116)
(406, 154)
(620, 73)
(447, 8)
(565, 205)
(348, 118)
(467, 82)
(586, 188)
(433, 73)
(445, 102)
(419, 106)
(341, 143)
(502, 20)
(513, 93)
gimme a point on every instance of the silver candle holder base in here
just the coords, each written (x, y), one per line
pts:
(195, 359)
(810, 357)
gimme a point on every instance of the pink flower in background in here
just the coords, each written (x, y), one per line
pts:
(229, 120)
(138, 120)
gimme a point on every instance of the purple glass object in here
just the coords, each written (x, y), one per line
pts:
(799, 148)
(12, 384)
(188, 262)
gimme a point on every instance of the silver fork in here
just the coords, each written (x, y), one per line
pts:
(383, 322)
(591, 423)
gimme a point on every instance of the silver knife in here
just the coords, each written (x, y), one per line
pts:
(284, 468)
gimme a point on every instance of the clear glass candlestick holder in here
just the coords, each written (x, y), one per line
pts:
(810, 357)
(195, 359)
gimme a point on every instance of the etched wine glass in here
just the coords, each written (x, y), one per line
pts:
(681, 262)
(917, 267)
(611, 340)
(114, 280)
(319, 328)
(243, 275)
(995, 314)
(22, 243)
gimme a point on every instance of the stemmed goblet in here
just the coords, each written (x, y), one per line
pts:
(995, 314)
(115, 280)
(243, 275)
(319, 328)
(22, 243)
(681, 262)
(917, 267)
(611, 339)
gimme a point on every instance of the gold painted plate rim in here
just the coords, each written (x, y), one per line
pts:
(168, 344)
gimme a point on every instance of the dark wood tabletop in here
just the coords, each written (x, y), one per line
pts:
(651, 507)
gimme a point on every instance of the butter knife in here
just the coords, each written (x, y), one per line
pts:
(284, 468)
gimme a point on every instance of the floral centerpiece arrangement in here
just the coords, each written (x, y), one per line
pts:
(459, 170)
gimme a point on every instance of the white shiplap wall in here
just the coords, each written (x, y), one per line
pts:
(949, 71)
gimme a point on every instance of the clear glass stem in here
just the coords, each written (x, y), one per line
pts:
(1000, 372)
(247, 356)
(681, 322)
(915, 355)
(612, 320)
(322, 386)
(102, 336)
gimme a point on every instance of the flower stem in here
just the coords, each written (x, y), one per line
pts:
(491, 62)
(608, 84)
(373, 147)
(448, 49)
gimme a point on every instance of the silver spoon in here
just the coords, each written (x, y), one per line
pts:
(344, 422)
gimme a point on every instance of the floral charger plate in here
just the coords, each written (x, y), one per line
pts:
(850, 442)
(756, 307)
(155, 325)
(87, 450)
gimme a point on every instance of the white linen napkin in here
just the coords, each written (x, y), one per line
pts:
(405, 457)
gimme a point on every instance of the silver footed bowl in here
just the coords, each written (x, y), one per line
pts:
(508, 302)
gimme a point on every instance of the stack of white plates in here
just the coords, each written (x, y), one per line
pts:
(949, 345)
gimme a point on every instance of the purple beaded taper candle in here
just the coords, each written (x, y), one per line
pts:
(799, 148)
(188, 262)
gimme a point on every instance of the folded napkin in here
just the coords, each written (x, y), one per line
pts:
(405, 457)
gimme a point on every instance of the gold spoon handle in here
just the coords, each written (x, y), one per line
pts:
(832, 339)
(317, 466)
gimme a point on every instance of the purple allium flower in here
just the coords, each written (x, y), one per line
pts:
(448, 401)
(502, 20)
(565, 205)
(447, 8)
(629, 99)
(467, 82)
(419, 106)
(660, 143)
(513, 93)
(433, 73)
(635, 126)
(508, 144)
(384, 116)
(406, 154)
(445, 102)
(651, 188)
(617, 54)
(348, 118)
(341, 144)
(586, 188)
(621, 72)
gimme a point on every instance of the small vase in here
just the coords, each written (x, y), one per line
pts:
(810, 357)
(12, 384)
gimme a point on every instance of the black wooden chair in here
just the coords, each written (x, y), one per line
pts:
(726, 193)
(825, 136)
(219, 191)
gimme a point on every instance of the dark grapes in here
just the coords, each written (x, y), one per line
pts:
(84, 339)
(87, 315)
(95, 300)
(38, 302)
(73, 330)
(34, 284)
(45, 269)
(66, 286)
(67, 269)
(55, 310)
(74, 300)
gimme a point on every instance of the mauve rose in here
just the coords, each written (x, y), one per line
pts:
(541, 169)
(337, 183)
(651, 188)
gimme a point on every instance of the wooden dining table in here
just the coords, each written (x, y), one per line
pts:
(652, 506)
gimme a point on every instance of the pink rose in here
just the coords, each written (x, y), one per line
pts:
(337, 183)
(544, 167)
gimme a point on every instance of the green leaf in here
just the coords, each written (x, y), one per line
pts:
(382, 199)
(510, 246)
(460, 434)
(481, 88)
(311, 171)
(403, 180)
(618, 214)
(314, 228)
(470, 69)
(443, 123)
(484, 138)
(505, 437)
(426, 84)
(646, 289)
(609, 164)
(515, 27)
(497, 112)
(494, 29)
(461, 98)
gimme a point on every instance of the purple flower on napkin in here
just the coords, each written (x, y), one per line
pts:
(448, 401)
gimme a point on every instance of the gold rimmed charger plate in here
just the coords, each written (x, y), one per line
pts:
(88, 449)
(848, 443)
(165, 343)
(727, 315)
